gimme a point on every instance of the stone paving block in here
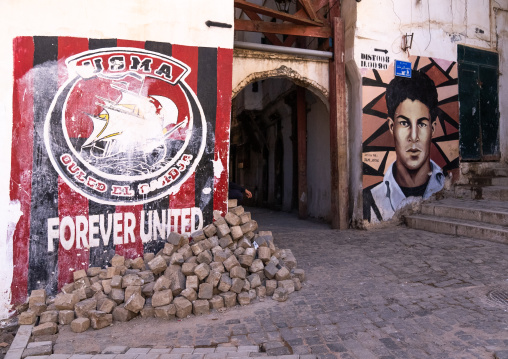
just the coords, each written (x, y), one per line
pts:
(205, 257)
(166, 312)
(115, 349)
(59, 356)
(27, 318)
(243, 298)
(160, 351)
(226, 240)
(200, 307)
(81, 356)
(100, 319)
(214, 278)
(79, 325)
(237, 285)
(122, 314)
(183, 307)
(202, 271)
(137, 351)
(45, 329)
(38, 348)
(229, 299)
(161, 298)
(65, 301)
(182, 350)
(205, 291)
(65, 316)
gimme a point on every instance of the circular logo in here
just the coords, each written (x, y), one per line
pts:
(125, 128)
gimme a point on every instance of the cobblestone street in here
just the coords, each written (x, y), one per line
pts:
(384, 293)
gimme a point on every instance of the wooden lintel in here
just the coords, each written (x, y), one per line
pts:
(246, 6)
(271, 37)
(285, 28)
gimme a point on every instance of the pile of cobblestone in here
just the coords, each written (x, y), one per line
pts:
(228, 262)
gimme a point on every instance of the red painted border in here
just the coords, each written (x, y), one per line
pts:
(21, 161)
(186, 196)
(222, 125)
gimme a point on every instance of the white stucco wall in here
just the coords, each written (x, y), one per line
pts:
(438, 25)
(176, 22)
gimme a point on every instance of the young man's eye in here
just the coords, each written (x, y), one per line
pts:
(422, 125)
(404, 123)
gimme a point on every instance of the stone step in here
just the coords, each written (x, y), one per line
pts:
(459, 227)
(480, 181)
(493, 212)
(500, 181)
(496, 193)
(501, 172)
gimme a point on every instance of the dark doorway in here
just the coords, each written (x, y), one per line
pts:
(264, 147)
(479, 104)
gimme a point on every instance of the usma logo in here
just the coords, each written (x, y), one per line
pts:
(125, 128)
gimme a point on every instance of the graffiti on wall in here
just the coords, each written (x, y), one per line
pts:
(116, 144)
(410, 135)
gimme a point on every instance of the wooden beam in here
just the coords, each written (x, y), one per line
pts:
(285, 28)
(289, 40)
(339, 130)
(309, 10)
(271, 37)
(319, 4)
(246, 6)
(301, 118)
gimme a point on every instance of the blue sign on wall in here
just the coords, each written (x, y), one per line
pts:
(402, 68)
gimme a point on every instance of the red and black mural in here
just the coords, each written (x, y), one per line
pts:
(116, 143)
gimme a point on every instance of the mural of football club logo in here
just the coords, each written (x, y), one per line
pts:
(125, 128)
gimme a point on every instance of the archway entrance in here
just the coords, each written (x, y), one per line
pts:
(282, 160)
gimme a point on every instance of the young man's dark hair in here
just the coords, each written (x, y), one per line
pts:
(419, 87)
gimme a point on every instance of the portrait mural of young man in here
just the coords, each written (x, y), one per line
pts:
(410, 141)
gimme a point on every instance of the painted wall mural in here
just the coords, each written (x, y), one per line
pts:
(410, 135)
(116, 143)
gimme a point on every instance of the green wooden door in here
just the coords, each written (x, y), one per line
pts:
(479, 99)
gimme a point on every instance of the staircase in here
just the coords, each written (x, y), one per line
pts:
(479, 210)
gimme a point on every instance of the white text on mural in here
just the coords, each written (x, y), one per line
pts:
(121, 228)
(167, 178)
(80, 175)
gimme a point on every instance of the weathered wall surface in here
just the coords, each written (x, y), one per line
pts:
(373, 43)
(79, 189)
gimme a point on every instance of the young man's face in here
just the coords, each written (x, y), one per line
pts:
(412, 131)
